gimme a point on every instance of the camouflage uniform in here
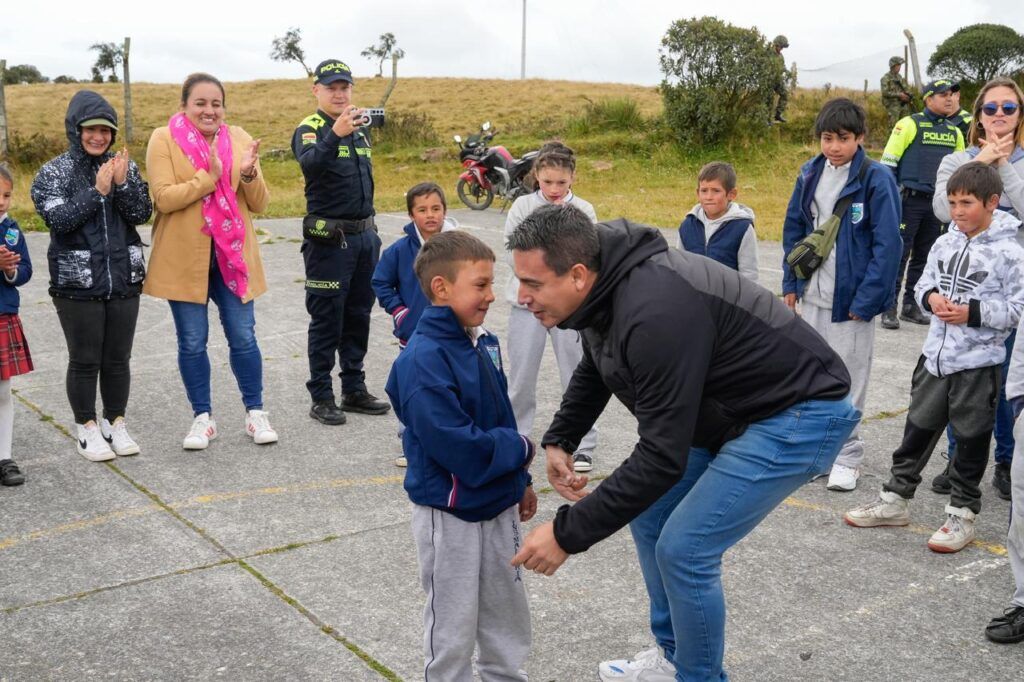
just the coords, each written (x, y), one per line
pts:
(893, 85)
(781, 86)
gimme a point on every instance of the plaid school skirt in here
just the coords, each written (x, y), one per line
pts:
(14, 356)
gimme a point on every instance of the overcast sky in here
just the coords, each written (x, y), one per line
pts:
(591, 40)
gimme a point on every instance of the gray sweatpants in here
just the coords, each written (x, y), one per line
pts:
(854, 342)
(1015, 538)
(474, 596)
(526, 340)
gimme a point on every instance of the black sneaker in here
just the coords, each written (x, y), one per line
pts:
(364, 402)
(10, 474)
(941, 484)
(1001, 480)
(911, 313)
(326, 412)
(1007, 628)
(889, 320)
(582, 462)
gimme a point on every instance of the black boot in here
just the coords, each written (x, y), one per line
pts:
(364, 402)
(1001, 480)
(889, 320)
(326, 412)
(911, 313)
(941, 484)
(1007, 628)
(10, 474)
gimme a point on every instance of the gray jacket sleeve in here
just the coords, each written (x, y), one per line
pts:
(1015, 377)
(748, 265)
(1013, 185)
(940, 204)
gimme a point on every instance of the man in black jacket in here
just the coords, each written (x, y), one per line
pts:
(738, 403)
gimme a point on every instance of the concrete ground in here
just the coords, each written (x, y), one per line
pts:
(295, 561)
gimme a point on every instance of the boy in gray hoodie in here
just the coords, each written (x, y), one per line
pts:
(973, 284)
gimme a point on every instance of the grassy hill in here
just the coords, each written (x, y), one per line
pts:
(628, 165)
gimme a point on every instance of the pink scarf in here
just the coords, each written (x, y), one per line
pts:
(221, 217)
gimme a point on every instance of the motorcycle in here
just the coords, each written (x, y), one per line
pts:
(489, 171)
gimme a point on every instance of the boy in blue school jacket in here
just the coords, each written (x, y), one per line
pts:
(468, 469)
(856, 281)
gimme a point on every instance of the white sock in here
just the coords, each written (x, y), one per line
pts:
(6, 419)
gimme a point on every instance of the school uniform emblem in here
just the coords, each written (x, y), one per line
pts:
(12, 236)
(494, 352)
(856, 213)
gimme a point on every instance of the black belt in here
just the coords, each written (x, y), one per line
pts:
(332, 231)
(907, 193)
(356, 226)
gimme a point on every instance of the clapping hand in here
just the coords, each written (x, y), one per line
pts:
(105, 177)
(249, 158)
(216, 167)
(9, 262)
(121, 166)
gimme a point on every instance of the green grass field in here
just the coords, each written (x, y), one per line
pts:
(628, 166)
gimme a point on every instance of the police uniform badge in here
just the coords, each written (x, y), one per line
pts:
(856, 213)
(12, 236)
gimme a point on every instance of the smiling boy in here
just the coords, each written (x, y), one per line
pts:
(855, 282)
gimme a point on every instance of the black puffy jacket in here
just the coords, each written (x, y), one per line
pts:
(95, 251)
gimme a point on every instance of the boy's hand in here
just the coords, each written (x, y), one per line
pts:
(563, 478)
(938, 303)
(790, 300)
(954, 313)
(855, 316)
(540, 551)
(528, 505)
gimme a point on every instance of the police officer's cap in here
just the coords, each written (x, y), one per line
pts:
(332, 70)
(893, 61)
(781, 42)
(939, 86)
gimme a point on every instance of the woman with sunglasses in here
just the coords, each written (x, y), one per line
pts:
(996, 137)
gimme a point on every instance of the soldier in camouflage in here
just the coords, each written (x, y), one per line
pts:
(896, 97)
(781, 86)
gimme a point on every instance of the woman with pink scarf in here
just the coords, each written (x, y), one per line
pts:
(206, 180)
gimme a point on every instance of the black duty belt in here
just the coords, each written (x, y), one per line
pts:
(332, 231)
(906, 193)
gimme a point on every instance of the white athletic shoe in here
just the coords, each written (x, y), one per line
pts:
(257, 425)
(116, 434)
(646, 666)
(204, 429)
(843, 478)
(956, 533)
(91, 444)
(888, 510)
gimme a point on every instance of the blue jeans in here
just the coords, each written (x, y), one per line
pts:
(680, 539)
(238, 319)
(1003, 433)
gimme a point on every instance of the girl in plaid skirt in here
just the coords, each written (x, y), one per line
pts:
(15, 270)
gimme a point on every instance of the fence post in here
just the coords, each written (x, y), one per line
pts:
(394, 79)
(913, 58)
(3, 111)
(129, 136)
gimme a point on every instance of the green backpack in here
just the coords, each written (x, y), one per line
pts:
(811, 251)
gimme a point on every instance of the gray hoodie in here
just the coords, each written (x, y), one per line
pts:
(986, 273)
(747, 254)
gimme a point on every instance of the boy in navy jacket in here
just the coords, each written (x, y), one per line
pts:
(468, 469)
(856, 281)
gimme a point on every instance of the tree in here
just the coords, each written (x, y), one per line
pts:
(384, 49)
(978, 53)
(23, 73)
(65, 79)
(109, 57)
(718, 80)
(287, 49)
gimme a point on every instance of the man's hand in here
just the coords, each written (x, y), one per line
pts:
(540, 551)
(344, 124)
(904, 97)
(528, 505)
(790, 300)
(563, 478)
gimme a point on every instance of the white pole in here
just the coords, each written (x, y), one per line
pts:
(522, 66)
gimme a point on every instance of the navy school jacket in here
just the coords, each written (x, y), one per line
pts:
(463, 451)
(14, 240)
(396, 286)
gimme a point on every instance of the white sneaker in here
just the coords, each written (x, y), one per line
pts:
(646, 666)
(257, 425)
(116, 434)
(842, 478)
(91, 444)
(956, 533)
(401, 462)
(204, 429)
(888, 510)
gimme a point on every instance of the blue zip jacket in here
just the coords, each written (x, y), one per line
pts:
(14, 240)
(723, 247)
(463, 451)
(396, 285)
(868, 246)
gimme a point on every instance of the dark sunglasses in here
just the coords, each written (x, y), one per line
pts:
(990, 108)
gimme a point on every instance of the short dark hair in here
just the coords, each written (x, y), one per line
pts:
(5, 174)
(195, 79)
(442, 254)
(424, 189)
(721, 171)
(977, 179)
(564, 233)
(841, 114)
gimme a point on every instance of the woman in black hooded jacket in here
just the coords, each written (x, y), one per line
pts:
(92, 199)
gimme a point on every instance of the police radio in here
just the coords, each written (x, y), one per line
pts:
(370, 118)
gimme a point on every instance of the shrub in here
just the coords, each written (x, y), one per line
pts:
(978, 53)
(406, 129)
(34, 150)
(718, 80)
(619, 113)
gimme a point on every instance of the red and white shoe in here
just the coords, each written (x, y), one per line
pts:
(257, 425)
(204, 429)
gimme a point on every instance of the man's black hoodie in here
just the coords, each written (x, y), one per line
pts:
(695, 351)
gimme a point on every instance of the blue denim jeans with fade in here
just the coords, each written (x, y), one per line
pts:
(680, 539)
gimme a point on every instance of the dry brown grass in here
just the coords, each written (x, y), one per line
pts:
(650, 180)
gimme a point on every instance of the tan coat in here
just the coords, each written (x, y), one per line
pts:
(179, 263)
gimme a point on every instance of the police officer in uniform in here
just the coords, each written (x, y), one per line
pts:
(340, 246)
(781, 86)
(896, 96)
(962, 118)
(916, 147)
